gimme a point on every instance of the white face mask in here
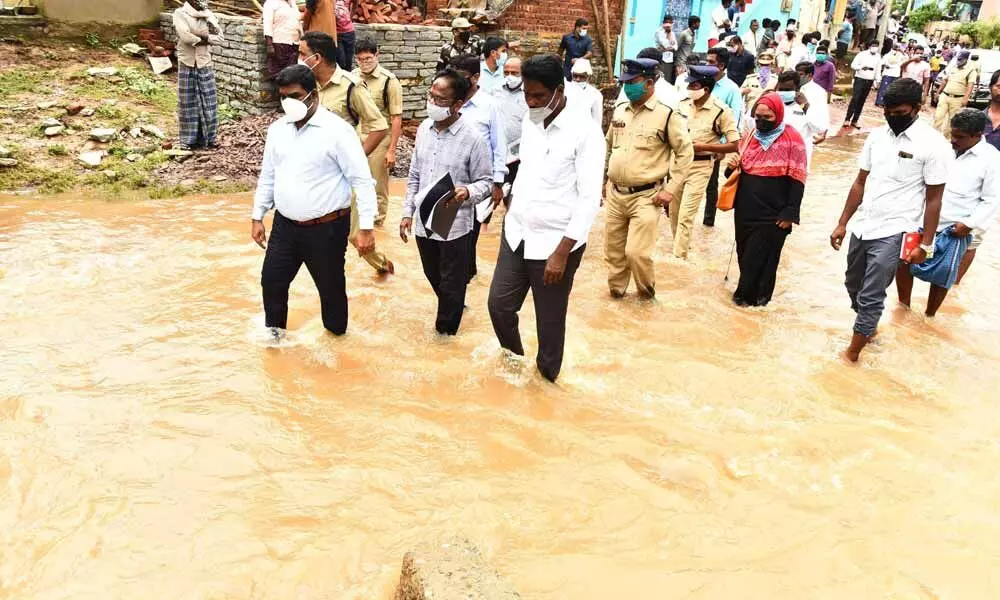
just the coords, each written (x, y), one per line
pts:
(583, 33)
(437, 113)
(513, 81)
(696, 94)
(295, 110)
(582, 84)
(305, 61)
(538, 115)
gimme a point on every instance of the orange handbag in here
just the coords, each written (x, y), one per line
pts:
(727, 193)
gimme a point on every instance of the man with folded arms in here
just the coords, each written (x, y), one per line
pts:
(312, 162)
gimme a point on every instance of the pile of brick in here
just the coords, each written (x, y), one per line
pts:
(155, 43)
(403, 12)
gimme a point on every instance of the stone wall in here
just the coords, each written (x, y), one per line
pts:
(240, 63)
(409, 51)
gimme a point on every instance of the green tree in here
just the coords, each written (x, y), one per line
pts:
(920, 17)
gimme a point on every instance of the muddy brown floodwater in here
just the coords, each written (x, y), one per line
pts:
(152, 447)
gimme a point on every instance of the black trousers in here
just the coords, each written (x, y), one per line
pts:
(322, 249)
(345, 50)
(712, 195)
(446, 266)
(758, 248)
(862, 87)
(667, 68)
(513, 277)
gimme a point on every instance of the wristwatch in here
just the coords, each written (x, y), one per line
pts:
(928, 250)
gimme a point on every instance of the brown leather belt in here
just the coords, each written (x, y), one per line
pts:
(704, 157)
(621, 189)
(327, 218)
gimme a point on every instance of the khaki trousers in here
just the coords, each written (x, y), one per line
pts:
(376, 162)
(947, 108)
(375, 258)
(630, 236)
(684, 209)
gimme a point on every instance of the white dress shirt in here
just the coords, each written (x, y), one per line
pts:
(588, 98)
(808, 124)
(972, 194)
(483, 112)
(720, 16)
(310, 172)
(899, 170)
(818, 117)
(281, 22)
(667, 43)
(557, 192)
(865, 65)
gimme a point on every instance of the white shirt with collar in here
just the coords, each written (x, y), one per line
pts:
(310, 172)
(899, 170)
(557, 192)
(808, 124)
(720, 16)
(865, 65)
(588, 98)
(972, 194)
(483, 112)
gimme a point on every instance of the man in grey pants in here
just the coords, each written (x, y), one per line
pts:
(904, 166)
(555, 199)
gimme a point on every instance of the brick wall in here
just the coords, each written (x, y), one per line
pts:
(540, 24)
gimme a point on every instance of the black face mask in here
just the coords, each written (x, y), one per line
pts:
(765, 125)
(465, 36)
(899, 123)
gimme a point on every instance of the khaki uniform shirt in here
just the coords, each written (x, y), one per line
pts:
(377, 82)
(640, 154)
(959, 79)
(711, 122)
(333, 96)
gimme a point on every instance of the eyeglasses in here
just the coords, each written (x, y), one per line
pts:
(439, 100)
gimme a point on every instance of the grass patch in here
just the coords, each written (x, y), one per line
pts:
(46, 181)
(136, 86)
(57, 150)
(22, 81)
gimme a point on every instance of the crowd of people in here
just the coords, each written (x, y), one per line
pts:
(527, 133)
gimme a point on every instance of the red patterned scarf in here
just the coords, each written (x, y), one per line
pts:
(786, 156)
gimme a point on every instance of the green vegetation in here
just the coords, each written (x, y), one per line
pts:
(93, 40)
(22, 81)
(57, 150)
(920, 17)
(227, 114)
(985, 34)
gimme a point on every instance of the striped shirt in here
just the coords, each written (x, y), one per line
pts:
(459, 150)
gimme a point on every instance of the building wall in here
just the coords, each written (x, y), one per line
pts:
(240, 63)
(756, 9)
(103, 11)
(990, 9)
(546, 16)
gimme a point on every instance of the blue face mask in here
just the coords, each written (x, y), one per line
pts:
(787, 97)
(634, 90)
(821, 58)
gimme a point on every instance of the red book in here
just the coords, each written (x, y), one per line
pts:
(911, 241)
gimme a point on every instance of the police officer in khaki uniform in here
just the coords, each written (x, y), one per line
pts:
(645, 134)
(956, 89)
(346, 96)
(708, 120)
(387, 93)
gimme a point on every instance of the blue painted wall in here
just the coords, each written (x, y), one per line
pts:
(646, 16)
(757, 9)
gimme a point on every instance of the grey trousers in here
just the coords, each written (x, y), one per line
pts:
(513, 277)
(871, 267)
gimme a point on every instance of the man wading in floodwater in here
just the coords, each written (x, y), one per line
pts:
(904, 166)
(312, 161)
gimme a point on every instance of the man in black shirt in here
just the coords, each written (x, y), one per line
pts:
(741, 61)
